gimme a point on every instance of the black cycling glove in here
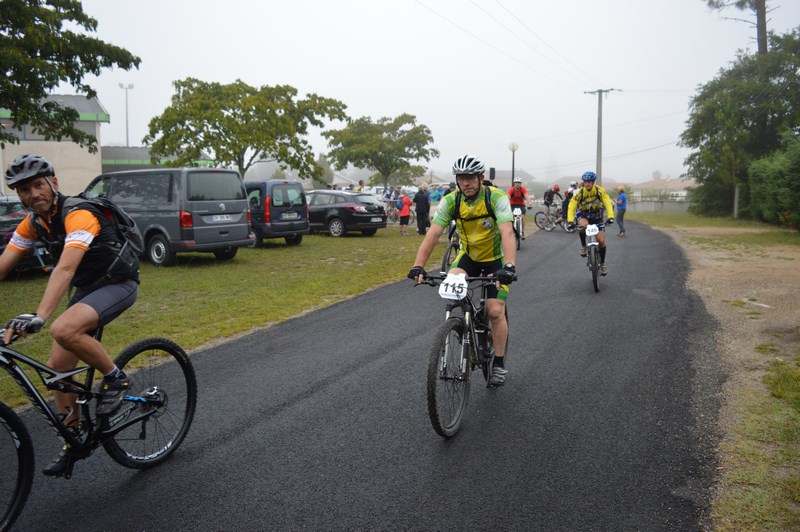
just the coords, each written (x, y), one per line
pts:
(26, 323)
(610, 221)
(506, 274)
(416, 271)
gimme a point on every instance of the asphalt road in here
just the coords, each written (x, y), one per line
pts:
(606, 421)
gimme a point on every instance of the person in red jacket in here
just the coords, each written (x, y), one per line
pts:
(518, 197)
(404, 213)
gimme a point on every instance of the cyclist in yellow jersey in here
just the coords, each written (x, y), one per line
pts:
(484, 222)
(589, 205)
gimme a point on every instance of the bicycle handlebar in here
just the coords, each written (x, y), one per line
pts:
(431, 278)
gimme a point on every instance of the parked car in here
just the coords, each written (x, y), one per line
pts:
(339, 211)
(12, 211)
(181, 209)
(278, 209)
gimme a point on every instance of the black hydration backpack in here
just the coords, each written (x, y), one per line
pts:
(129, 244)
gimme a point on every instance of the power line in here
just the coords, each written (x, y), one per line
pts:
(495, 48)
(526, 43)
(579, 69)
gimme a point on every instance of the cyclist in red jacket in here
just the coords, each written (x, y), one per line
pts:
(518, 197)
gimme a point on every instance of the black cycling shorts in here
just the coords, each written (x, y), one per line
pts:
(108, 301)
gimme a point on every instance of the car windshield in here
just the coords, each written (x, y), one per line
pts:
(12, 210)
(368, 199)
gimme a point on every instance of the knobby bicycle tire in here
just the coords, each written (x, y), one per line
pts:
(16, 455)
(594, 264)
(518, 231)
(449, 372)
(449, 255)
(538, 218)
(160, 370)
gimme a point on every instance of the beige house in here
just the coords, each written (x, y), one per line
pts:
(74, 165)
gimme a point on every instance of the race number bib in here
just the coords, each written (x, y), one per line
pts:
(592, 230)
(517, 211)
(454, 286)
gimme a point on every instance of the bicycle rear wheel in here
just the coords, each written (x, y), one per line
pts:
(16, 455)
(594, 264)
(163, 384)
(539, 219)
(448, 378)
(449, 255)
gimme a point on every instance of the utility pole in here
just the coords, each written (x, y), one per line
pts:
(600, 92)
(126, 87)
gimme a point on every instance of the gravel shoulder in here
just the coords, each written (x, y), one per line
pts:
(752, 293)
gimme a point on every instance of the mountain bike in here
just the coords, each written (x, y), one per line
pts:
(517, 226)
(462, 344)
(593, 253)
(548, 221)
(453, 244)
(148, 427)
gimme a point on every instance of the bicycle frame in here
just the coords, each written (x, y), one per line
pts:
(475, 340)
(92, 434)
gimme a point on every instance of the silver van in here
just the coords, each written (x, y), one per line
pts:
(181, 209)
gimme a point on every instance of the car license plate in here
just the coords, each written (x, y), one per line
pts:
(376, 219)
(290, 216)
(221, 218)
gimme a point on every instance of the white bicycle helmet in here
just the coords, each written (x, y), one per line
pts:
(468, 164)
(517, 180)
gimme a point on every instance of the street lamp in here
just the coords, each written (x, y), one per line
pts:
(513, 147)
(126, 87)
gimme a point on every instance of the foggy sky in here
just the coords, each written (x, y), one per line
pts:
(479, 73)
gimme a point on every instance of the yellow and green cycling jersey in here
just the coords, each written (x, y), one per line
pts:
(478, 231)
(590, 203)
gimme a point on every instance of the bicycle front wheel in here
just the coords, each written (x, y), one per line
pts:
(539, 219)
(518, 231)
(594, 264)
(448, 378)
(16, 455)
(164, 386)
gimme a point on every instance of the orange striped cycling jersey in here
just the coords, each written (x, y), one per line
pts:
(82, 227)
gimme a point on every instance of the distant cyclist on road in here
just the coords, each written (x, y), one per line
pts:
(484, 222)
(82, 246)
(550, 197)
(589, 205)
(573, 188)
(518, 197)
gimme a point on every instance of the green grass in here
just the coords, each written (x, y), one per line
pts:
(201, 300)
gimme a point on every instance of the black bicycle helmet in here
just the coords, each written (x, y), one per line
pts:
(27, 167)
(468, 164)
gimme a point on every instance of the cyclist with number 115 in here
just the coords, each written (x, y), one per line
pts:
(484, 223)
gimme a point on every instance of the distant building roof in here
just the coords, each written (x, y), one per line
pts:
(89, 109)
(116, 158)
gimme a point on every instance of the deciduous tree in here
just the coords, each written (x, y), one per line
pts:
(239, 125)
(38, 51)
(388, 146)
(737, 118)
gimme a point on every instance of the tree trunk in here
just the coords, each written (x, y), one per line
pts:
(761, 25)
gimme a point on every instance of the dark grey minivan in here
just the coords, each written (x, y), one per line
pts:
(181, 209)
(278, 209)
